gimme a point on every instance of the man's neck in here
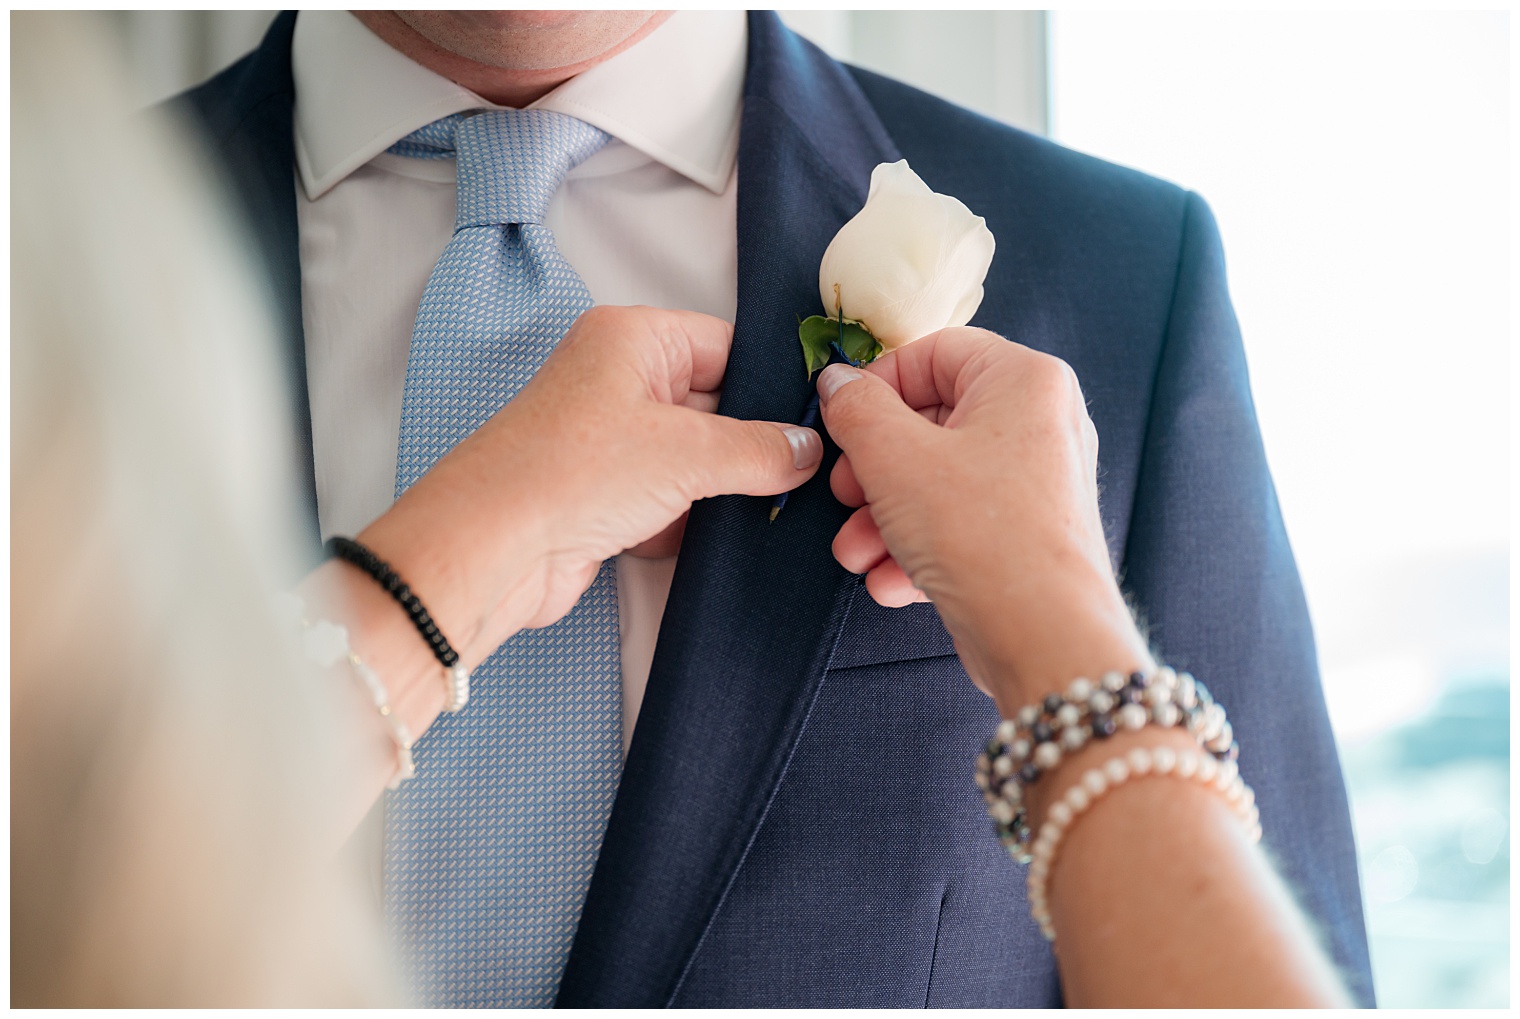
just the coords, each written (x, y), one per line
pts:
(503, 86)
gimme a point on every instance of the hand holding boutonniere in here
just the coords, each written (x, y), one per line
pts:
(910, 263)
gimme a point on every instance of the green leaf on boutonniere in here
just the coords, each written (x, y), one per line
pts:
(818, 334)
(858, 344)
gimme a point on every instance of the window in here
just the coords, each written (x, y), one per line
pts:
(1358, 166)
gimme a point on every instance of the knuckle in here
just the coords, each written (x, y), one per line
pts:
(1055, 380)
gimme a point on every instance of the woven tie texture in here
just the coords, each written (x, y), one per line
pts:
(489, 850)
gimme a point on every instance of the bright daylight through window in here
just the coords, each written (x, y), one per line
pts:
(1358, 167)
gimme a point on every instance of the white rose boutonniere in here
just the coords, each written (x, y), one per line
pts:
(910, 263)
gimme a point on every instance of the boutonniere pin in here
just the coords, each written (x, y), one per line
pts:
(910, 263)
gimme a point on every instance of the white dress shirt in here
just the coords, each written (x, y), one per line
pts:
(649, 219)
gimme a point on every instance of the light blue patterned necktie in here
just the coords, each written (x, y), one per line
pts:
(489, 850)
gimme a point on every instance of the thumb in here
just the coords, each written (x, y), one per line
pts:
(733, 457)
(866, 416)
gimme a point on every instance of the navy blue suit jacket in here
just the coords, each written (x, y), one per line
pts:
(796, 823)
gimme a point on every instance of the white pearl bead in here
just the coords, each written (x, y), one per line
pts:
(1256, 833)
(1042, 851)
(1060, 813)
(1133, 716)
(1077, 798)
(1003, 766)
(1157, 694)
(1230, 768)
(1249, 796)
(1226, 736)
(1187, 691)
(1069, 714)
(1079, 690)
(1018, 749)
(1002, 811)
(1096, 784)
(1014, 794)
(1214, 721)
(1208, 769)
(1028, 715)
(1074, 739)
(989, 797)
(1047, 755)
(1101, 700)
(1007, 731)
(1234, 792)
(1223, 781)
(1166, 715)
(1116, 770)
(1114, 681)
(982, 781)
(1166, 676)
(1187, 765)
(1163, 760)
(1140, 761)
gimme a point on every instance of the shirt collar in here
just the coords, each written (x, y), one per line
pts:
(674, 96)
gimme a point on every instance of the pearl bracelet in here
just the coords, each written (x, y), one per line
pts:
(325, 644)
(1038, 737)
(1223, 776)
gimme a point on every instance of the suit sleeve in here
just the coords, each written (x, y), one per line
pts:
(1209, 568)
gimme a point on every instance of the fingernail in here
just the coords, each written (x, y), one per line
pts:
(807, 447)
(833, 377)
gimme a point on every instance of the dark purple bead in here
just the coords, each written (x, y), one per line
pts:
(1139, 680)
(1041, 732)
(1029, 772)
(993, 748)
(1131, 695)
(1053, 703)
(1103, 725)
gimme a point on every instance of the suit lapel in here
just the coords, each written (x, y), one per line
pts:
(755, 608)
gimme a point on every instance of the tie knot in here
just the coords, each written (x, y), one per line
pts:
(510, 161)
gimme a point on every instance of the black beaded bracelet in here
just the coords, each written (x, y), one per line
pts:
(351, 551)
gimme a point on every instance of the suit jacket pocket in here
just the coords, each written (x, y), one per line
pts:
(874, 635)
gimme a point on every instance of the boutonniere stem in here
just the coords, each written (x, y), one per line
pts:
(835, 354)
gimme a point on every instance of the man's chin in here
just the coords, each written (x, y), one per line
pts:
(532, 41)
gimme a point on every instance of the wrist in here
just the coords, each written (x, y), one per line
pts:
(383, 635)
(1084, 635)
(1069, 772)
(472, 560)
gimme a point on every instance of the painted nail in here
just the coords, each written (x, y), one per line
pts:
(807, 447)
(833, 377)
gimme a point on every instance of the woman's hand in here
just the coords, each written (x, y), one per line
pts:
(605, 450)
(973, 463)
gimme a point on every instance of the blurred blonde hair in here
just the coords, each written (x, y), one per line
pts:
(171, 771)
